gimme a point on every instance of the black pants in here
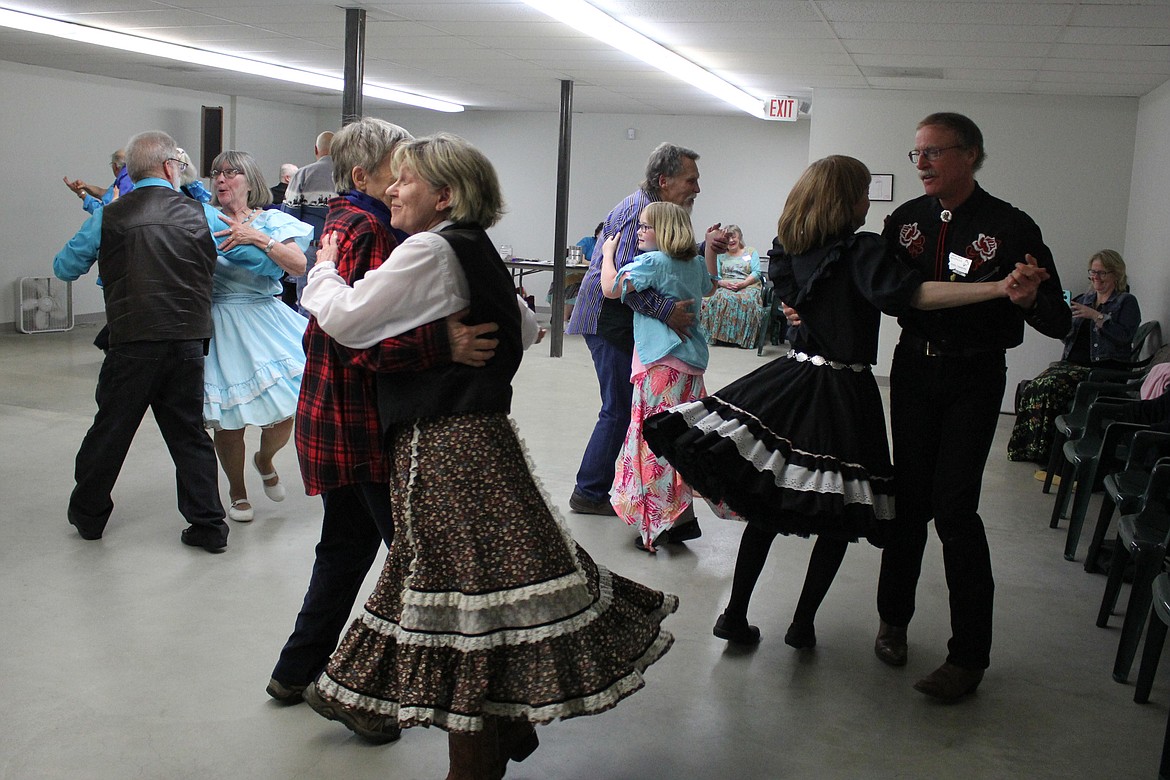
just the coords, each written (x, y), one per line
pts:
(357, 520)
(943, 414)
(167, 378)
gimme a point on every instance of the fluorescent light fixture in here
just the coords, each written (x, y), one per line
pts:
(172, 51)
(582, 16)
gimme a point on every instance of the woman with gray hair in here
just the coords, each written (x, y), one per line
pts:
(487, 618)
(732, 314)
(252, 374)
(338, 438)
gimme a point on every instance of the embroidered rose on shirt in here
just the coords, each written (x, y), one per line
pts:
(912, 239)
(982, 250)
(985, 247)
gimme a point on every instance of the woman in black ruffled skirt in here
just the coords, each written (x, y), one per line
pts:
(799, 445)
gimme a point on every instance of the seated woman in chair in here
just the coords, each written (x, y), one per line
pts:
(1105, 319)
(732, 314)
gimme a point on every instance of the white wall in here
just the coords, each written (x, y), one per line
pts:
(66, 124)
(1147, 233)
(1066, 161)
(745, 167)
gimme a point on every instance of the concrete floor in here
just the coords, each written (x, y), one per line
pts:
(138, 657)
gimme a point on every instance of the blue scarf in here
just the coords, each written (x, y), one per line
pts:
(378, 208)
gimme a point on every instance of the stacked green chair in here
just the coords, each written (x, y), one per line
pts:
(1123, 381)
(1155, 639)
(1142, 538)
(1101, 449)
(1124, 489)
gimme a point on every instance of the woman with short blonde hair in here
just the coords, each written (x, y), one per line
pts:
(487, 618)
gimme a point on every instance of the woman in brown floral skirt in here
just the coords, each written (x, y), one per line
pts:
(488, 617)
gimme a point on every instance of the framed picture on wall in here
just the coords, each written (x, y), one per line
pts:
(881, 186)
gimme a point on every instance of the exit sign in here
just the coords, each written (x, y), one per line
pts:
(781, 109)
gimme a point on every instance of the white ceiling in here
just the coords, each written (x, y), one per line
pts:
(502, 55)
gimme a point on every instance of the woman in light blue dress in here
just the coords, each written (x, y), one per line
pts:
(252, 374)
(732, 314)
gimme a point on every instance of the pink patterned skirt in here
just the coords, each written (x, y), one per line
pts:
(647, 492)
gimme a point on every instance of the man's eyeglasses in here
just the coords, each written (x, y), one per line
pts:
(643, 226)
(228, 173)
(182, 165)
(1099, 274)
(931, 153)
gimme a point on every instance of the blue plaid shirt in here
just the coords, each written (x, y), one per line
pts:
(623, 219)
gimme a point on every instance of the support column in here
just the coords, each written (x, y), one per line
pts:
(355, 65)
(561, 230)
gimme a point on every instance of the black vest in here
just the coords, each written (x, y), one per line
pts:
(455, 388)
(156, 259)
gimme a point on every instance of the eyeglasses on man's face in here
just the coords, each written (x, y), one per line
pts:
(182, 165)
(1099, 274)
(931, 153)
(228, 173)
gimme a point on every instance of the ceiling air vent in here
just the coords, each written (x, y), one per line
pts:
(905, 73)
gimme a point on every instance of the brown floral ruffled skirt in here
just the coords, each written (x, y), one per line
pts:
(486, 605)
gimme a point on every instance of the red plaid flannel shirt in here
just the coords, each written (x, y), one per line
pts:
(338, 437)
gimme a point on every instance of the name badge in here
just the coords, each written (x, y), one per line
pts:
(959, 264)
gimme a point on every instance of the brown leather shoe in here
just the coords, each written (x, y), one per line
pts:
(890, 645)
(950, 682)
(376, 729)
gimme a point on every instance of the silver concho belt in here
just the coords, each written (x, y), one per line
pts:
(818, 360)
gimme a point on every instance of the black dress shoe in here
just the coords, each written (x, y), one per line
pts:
(890, 645)
(949, 682)
(802, 636)
(378, 729)
(736, 630)
(193, 538)
(286, 694)
(87, 532)
(586, 506)
(681, 533)
(89, 536)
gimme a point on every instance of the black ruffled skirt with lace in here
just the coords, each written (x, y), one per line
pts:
(795, 447)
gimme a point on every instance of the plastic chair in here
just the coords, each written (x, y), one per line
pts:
(1101, 450)
(772, 320)
(1124, 489)
(1142, 538)
(1070, 426)
(1155, 640)
(1147, 339)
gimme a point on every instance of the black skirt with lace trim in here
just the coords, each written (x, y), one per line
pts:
(795, 447)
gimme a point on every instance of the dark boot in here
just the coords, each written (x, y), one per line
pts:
(950, 683)
(474, 756)
(890, 645)
(516, 741)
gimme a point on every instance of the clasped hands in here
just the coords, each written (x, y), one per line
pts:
(1024, 281)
